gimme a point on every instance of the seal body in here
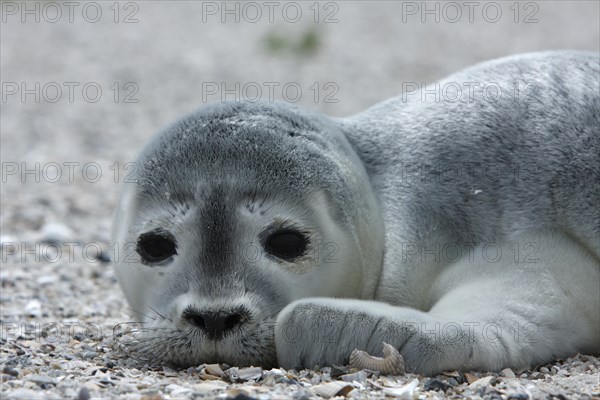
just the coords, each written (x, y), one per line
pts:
(459, 224)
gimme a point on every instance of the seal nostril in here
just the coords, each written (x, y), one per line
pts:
(215, 324)
(232, 320)
(196, 320)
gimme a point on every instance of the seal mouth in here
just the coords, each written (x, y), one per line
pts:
(161, 342)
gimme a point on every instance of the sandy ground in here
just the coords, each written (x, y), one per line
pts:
(82, 92)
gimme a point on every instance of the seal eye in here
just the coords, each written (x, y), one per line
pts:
(156, 246)
(286, 244)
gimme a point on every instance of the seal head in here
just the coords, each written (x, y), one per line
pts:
(238, 210)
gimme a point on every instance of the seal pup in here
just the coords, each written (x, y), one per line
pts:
(460, 225)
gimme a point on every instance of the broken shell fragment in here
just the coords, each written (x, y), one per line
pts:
(214, 369)
(331, 389)
(250, 374)
(392, 362)
(470, 378)
(359, 376)
(207, 377)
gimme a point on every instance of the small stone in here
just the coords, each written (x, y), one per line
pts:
(233, 393)
(492, 395)
(242, 396)
(208, 387)
(153, 395)
(481, 382)
(39, 379)
(47, 347)
(508, 373)
(34, 308)
(169, 372)
(84, 394)
(56, 233)
(339, 370)
(359, 376)
(89, 354)
(103, 256)
(23, 393)
(214, 369)
(436, 385)
(92, 386)
(125, 387)
(10, 371)
(46, 279)
(192, 370)
(302, 394)
(269, 381)
(518, 396)
(559, 396)
(177, 390)
(544, 370)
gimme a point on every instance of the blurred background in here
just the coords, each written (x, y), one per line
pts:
(85, 85)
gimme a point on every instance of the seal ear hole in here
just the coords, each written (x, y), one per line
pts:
(156, 246)
(286, 244)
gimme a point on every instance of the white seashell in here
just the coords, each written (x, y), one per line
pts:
(330, 389)
(392, 362)
(405, 392)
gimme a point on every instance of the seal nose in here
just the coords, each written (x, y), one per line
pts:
(216, 324)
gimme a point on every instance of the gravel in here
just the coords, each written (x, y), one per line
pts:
(61, 306)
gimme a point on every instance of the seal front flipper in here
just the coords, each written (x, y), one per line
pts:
(502, 313)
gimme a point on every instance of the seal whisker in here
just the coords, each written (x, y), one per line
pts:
(159, 314)
(141, 313)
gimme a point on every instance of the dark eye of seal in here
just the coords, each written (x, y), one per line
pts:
(286, 244)
(156, 246)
